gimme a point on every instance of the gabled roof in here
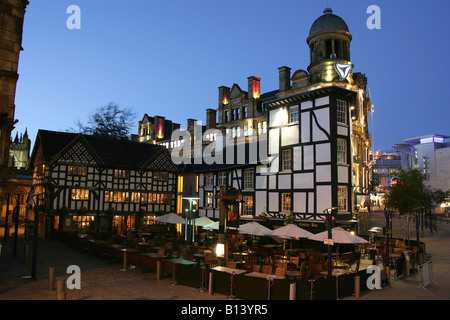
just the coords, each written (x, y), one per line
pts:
(106, 152)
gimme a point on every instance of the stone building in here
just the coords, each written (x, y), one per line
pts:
(11, 24)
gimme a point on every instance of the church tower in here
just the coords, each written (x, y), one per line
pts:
(329, 43)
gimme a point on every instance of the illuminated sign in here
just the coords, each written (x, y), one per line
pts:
(432, 139)
(343, 70)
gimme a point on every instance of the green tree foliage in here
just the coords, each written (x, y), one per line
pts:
(409, 192)
(109, 121)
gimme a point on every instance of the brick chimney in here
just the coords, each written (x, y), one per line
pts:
(211, 121)
(254, 84)
(284, 78)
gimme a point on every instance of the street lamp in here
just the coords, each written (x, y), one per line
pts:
(192, 201)
(416, 210)
(329, 213)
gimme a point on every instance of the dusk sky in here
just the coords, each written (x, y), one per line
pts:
(168, 58)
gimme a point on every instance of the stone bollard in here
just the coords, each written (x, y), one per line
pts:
(292, 291)
(158, 270)
(357, 286)
(210, 283)
(26, 254)
(51, 279)
(60, 290)
(388, 275)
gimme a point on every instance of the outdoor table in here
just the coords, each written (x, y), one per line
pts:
(154, 255)
(232, 273)
(269, 277)
(199, 256)
(338, 264)
(179, 261)
(291, 274)
(125, 261)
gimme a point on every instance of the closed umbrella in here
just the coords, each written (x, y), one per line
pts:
(170, 218)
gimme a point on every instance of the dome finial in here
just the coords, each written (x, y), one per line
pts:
(327, 11)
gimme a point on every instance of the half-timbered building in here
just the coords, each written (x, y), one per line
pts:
(84, 182)
(316, 136)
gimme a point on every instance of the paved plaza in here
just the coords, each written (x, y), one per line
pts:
(103, 280)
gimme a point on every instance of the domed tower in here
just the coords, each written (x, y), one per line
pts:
(329, 44)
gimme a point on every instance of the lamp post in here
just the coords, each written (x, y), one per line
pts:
(192, 201)
(388, 216)
(418, 211)
(329, 213)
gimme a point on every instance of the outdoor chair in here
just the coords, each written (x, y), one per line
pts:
(281, 272)
(162, 251)
(294, 260)
(256, 268)
(267, 269)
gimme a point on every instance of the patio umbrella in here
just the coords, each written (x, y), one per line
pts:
(339, 235)
(212, 226)
(291, 231)
(202, 221)
(254, 229)
(170, 218)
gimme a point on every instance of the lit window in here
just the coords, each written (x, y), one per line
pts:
(121, 174)
(286, 200)
(209, 179)
(341, 151)
(248, 179)
(341, 109)
(293, 114)
(161, 176)
(244, 112)
(245, 130)
(248, 205)
(286, 161)
(80, 194)
(342, 198)
(222, 179)
(76, 170)
(209, 199)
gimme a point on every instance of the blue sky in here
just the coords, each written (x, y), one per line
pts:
(168, 58)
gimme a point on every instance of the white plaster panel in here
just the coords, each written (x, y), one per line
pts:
(261, 182)
(272, 182)
(278, 117)
(305, 120)
(322, 101)
(284, 181)
(274, 138)
(260, 202)
(323, 173)
(299, 202)
(308, 157)
(311, 201)
(304, 180)
(342, 174)
(298, 158)
(273, 201)
(323, 152)
(306, 105)
(323, 198)
(323, 118)
(342, 131)
(289, 135)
